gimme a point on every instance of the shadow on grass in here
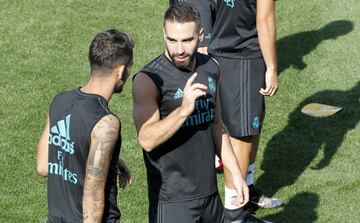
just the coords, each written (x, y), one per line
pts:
(301, 208)
(292, 150)
(292, 49)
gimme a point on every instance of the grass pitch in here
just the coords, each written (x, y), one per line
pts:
(310, 163)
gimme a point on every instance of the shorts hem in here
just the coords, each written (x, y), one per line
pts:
(152, 201)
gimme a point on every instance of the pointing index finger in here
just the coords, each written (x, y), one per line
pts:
(191, 79)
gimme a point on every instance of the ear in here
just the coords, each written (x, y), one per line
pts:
(164, 34)
(119, 71)
(201, 35)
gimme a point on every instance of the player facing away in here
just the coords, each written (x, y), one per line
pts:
(179, 127)
(244, 43)
(207, 12)
(79, 148)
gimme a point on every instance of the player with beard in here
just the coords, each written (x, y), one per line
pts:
(207, 12)
(177, 118)
(79, 149)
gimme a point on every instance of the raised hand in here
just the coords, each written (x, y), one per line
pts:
(191, 92)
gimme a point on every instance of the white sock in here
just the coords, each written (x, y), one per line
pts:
(250, 174)
(217, 161)
(230, 195)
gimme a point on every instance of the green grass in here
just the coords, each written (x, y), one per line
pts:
(312, 164)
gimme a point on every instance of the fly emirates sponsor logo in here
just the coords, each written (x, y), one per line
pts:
(204, 113)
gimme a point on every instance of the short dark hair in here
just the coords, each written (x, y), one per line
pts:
(109, 49)
(183, 12)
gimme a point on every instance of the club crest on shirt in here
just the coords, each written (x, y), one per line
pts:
(211, 84)
(230, 3)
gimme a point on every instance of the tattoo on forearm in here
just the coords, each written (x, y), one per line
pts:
(92, 185)
(85, 215)
(105, 135)
(103, 139)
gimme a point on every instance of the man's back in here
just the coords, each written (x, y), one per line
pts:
(73, 115)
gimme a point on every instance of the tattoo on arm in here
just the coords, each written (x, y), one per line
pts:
(103, 139)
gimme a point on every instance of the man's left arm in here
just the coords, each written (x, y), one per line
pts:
(227, 155)
(266, 28)
(103, 139)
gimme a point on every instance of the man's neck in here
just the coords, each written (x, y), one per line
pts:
(98, 86)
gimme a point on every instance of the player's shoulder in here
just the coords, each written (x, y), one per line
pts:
(154, 64)
(142, 80)
(108, 123)
(106, 132)
(208, 61)
(151, 71)
(145, 87)
(149, 78)
(62, 97)
(110, 120)
(206, 58)
(64, 93)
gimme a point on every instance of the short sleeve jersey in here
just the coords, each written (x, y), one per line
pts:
(182, 168)
(234, 31)
(73, 115)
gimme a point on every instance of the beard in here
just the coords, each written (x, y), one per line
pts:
(188, 59)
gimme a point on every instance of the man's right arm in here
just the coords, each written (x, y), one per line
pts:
(153, 131)
(103, 140)
(266, 28)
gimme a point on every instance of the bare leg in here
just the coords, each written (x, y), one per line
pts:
(245, 149)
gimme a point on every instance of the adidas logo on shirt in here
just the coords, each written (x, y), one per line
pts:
(179, 94)
(60, 135)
